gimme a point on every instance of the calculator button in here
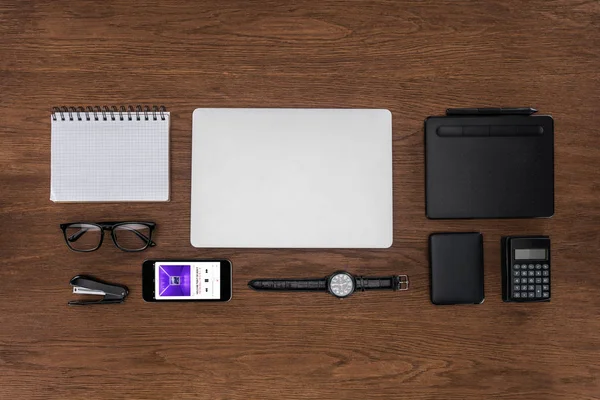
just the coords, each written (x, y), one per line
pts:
(517, 295)
(516, 266)
(517, 273)
(523, 280)
(530, 273)
(530, 287)
(530, 266)
(530, 295)
(545, 273)
(517, 280)
(538, 280)
(530, 280)
(545, 266)
(545, 295)
(538, 291)
(545, 280)
(545, 288)
(538, 266)
(524, 266)
(538, 273)
(516, 288)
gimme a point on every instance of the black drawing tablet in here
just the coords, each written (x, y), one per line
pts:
(489, 166)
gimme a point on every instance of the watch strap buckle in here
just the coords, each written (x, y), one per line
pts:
(401, 282)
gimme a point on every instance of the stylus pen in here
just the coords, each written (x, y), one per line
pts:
(491, 111)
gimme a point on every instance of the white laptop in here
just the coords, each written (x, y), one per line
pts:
(291, 178)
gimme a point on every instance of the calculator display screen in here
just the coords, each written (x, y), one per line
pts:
(530, 254)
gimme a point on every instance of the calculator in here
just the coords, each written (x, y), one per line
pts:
(526, 269)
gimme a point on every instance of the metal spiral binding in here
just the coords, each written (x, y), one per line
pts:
(106, 113)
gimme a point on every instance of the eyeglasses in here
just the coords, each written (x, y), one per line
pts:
(127, 236)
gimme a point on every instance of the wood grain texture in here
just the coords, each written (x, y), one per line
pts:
(414, 58)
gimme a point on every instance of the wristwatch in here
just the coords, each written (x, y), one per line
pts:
(340, 284)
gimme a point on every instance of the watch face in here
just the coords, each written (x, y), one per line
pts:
(341, 284)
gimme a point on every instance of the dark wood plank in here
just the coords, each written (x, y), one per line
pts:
(414, 58)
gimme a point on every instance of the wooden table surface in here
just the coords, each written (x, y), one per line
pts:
(413, 58)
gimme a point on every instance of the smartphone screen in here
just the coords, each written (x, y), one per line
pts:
(191, 280)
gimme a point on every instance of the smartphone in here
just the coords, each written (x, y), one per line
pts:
(186, 280)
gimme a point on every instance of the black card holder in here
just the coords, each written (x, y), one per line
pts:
(456, 261)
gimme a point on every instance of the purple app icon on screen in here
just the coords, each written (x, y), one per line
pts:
(174, 280)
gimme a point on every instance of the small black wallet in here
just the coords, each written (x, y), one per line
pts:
(456, 261)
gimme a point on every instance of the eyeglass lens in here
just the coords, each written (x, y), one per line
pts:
(83, 237)
(132, 237)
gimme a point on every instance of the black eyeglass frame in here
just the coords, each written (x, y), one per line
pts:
(110, 226)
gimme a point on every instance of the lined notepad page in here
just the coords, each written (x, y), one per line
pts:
(109, 160)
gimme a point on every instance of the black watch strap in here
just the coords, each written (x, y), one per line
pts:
(288, 284)
(395, 282)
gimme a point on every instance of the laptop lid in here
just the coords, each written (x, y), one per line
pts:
(291, 178)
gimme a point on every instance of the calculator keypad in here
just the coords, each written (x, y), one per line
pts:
(531, 282)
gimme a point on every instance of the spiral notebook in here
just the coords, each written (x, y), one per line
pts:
(102, 154)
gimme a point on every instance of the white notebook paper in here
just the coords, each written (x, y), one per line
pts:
(109, 155)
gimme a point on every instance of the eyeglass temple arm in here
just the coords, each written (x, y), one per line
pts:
(139, 234)
(77, 235)
(142, 236)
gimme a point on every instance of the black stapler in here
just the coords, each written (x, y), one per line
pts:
(88, 285)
